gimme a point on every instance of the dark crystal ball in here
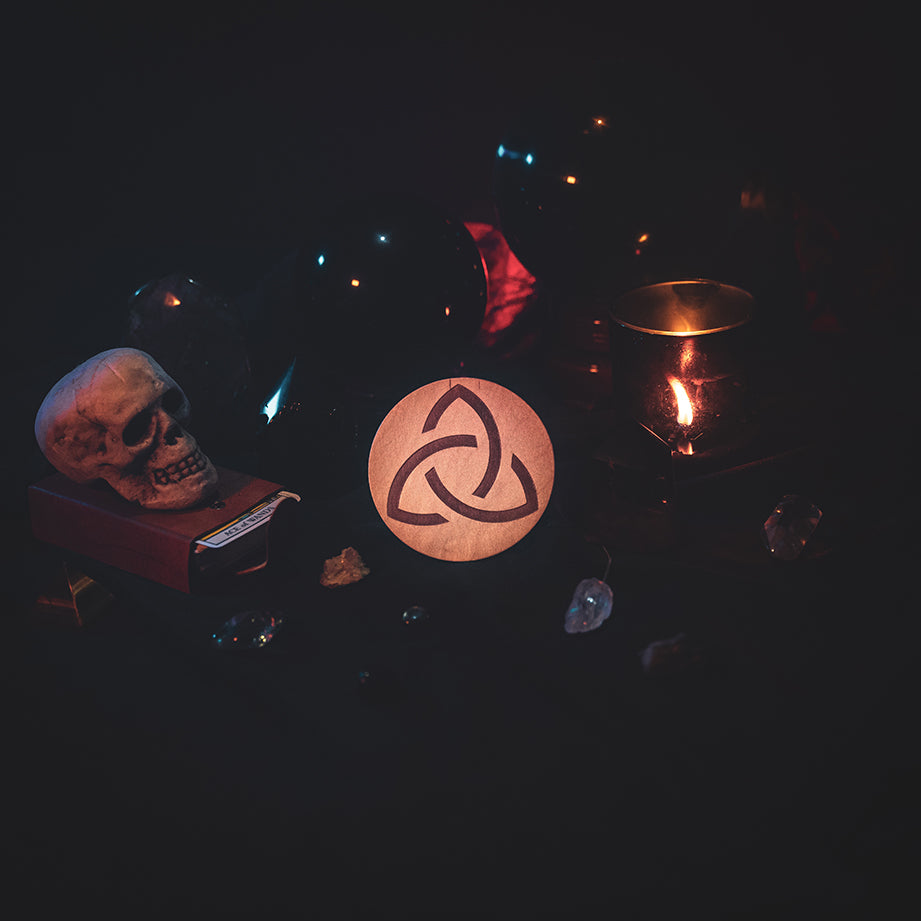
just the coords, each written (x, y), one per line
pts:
(194, 334)
(617, 185)
(385, 286)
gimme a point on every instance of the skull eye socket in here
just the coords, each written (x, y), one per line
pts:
(171, 400)
(137, 428)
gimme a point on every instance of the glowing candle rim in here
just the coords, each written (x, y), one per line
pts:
(678, 333)
(743, 306)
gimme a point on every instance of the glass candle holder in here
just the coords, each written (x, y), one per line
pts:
(678, 353)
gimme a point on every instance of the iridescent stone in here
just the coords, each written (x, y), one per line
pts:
(590, 606)
(365, 678)
(250, 630)
(415, 615)
(789, 526)
(377, 684)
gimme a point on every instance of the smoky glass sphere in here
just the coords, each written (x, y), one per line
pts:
(621, 186)
(194, 333)
(384, 283)
(313, 430)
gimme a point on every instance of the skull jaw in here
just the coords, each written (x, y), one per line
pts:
(184, 493)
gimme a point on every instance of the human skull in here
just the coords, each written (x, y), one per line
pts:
(116, 417)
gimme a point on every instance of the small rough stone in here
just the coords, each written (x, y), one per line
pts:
(344, 569)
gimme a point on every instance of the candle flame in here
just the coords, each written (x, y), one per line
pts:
(171, 300)
(685, 410)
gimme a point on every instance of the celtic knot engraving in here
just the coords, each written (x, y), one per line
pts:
(494, 459)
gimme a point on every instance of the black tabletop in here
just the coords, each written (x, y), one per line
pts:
(484, 763)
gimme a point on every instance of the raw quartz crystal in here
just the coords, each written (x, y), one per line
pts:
(789, 526)
(590, 606)
(344, 569)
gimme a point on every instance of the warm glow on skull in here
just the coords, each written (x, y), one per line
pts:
(116, 417)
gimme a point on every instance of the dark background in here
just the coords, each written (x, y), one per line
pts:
(519, 777)
(243, 123)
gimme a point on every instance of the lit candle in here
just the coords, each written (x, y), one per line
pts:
(685, 416)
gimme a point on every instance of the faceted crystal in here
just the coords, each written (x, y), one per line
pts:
(250, 630)
(789, 526)
(590, 606)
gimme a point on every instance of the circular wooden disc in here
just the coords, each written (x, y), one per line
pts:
(461, 469)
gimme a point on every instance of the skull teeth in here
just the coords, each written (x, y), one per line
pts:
(191, 463)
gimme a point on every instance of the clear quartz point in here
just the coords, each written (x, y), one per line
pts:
(789, 526)
(250, 630)
(590, 606)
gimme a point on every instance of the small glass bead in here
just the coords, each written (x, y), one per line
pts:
(414, 615)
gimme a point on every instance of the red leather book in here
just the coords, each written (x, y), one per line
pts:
(182, 549)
